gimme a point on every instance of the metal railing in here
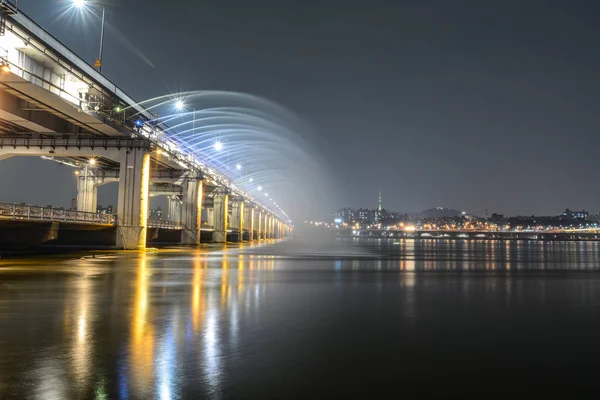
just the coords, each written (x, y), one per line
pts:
(162, 224)
(36, 213)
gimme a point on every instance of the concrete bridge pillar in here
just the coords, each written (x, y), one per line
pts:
(174, 209)
(87, 191)
(237, 218)
(249, 222)
(269, 226)
(132, 208)
(221, 215)
(272, 227)
(266, 225)
(191, 210)
(258, 214)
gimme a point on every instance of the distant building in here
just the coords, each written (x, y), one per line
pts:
(346, 215)
(579, 215)
(379, 213)
(368, 217)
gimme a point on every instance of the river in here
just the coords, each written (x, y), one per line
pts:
(367, 319)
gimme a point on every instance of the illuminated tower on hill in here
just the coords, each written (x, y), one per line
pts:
(378, 212)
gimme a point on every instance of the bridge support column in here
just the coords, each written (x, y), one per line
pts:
(87, 191)
(174, 209)
(265, 225)
(191, 210)
(237, 218)
(273, 227)
(221, 216)
(269, 227)
(132, 209)
(249, 222)
(258, 214)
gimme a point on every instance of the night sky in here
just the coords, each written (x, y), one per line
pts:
(471, 105)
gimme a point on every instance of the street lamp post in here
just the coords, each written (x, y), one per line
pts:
(83, 3)
(101, 38)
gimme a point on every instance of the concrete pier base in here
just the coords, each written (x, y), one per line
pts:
(132, 209)
(191, 210)
(221, 216)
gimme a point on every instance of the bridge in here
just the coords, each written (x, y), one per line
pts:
(548, 235)
(56, 106)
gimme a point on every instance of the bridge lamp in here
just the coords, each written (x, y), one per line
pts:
(218, 146)
(238, 166)
(79, 3)
(92, 161)
(251, 179)
(266, 194)
(5, 67)
(259, 188)
(179, 105)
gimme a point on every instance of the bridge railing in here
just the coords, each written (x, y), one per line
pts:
(163, 224)
(37, 213)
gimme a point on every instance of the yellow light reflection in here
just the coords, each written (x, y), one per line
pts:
(198, 302)
(142, 341)
(81, 351)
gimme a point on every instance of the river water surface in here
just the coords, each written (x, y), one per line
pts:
(369, 319)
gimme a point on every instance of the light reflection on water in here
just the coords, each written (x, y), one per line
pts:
(223, 324)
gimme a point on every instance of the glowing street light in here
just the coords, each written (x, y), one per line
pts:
(251, 179)
(238, 167)
(79, 3)
(218, 145)
(92, 161)
(179, 105)
(259, 188)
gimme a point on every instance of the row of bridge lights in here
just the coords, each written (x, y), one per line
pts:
(180, 106)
